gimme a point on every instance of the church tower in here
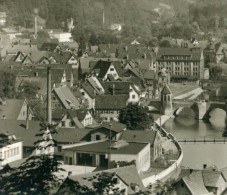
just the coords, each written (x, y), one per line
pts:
(166, 100)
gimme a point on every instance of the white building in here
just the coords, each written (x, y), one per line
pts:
(10, 149)
(61, 36)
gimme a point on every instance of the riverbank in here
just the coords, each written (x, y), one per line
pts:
(173, 171)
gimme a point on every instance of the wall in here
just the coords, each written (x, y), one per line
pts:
(24, 112)
(11, 153)
(113, 72)
(133, 93)
(106, 115)
(143, 159)
(91, 102)
(171, 172)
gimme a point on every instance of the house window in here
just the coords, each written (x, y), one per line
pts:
(133, 96)
(97, 137)
(59, 149)
(82, 93)
(63, 123)
(71, 124)
(111, 69)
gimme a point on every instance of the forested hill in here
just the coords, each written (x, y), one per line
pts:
(89, 12)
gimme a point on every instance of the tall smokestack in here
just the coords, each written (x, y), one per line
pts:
(103, 15)
(49, 110)
(35, 22)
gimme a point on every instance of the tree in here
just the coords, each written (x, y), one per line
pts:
(7, 82)
(43, 34)
(161, 188)
(135, 117)
(215, 71)
(29, 90)
(165, 43)
(36, 174)
(100, 183)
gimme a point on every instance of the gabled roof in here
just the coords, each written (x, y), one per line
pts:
(174, 51)
(149, 74)
(113, 126)
(88, 89)
(94, 85)
(12, 108)
(110, 102)
(166, 90)
(28, 136)
(104, 146)
(66, 97)
(139, 136)
(18, 128)
(119, 87)
(49, 46)
(103, 67)
(195, 184)
(211, 178)
(128, 174)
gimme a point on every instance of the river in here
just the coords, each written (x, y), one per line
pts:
(196, 155)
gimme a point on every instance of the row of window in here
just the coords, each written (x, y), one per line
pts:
(177, 57)
(178, 63)
(109, 112)
(11, 152)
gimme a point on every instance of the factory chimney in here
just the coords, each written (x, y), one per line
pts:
(36, 11)
(49, 110)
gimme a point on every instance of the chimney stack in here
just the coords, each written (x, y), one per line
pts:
(49, 111)
(35, 22)
(113, 92)
(27, 123)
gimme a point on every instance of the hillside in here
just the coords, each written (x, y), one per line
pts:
(89, 12)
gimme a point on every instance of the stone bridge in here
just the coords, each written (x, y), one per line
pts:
(201, 109)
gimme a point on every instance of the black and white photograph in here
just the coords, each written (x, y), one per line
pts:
(113, 97)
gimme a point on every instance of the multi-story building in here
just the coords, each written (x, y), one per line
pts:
(181, 62)
(10, 149)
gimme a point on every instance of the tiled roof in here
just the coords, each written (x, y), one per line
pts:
(114, 126)
(110, 102)
(88, 89)
(139, 136)
(149, 74)
(71, 135)
(84, 64)
(12, 108)
(104, 147)
(18, 128)
(211, 178)
(127, 174)
(103, 67)
(94, 85)
(224, 173)
(120, 88)
(66, 97)
(48, 46)
(195, 184)
(172, 51)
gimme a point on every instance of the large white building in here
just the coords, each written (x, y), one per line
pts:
(10, 149)
(61, 36)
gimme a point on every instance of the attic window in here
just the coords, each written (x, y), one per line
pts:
(111, 69)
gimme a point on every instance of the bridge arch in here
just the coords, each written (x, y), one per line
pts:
(194, 108)
(215, 106)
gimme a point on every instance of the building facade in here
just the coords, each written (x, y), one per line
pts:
(181, 62)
